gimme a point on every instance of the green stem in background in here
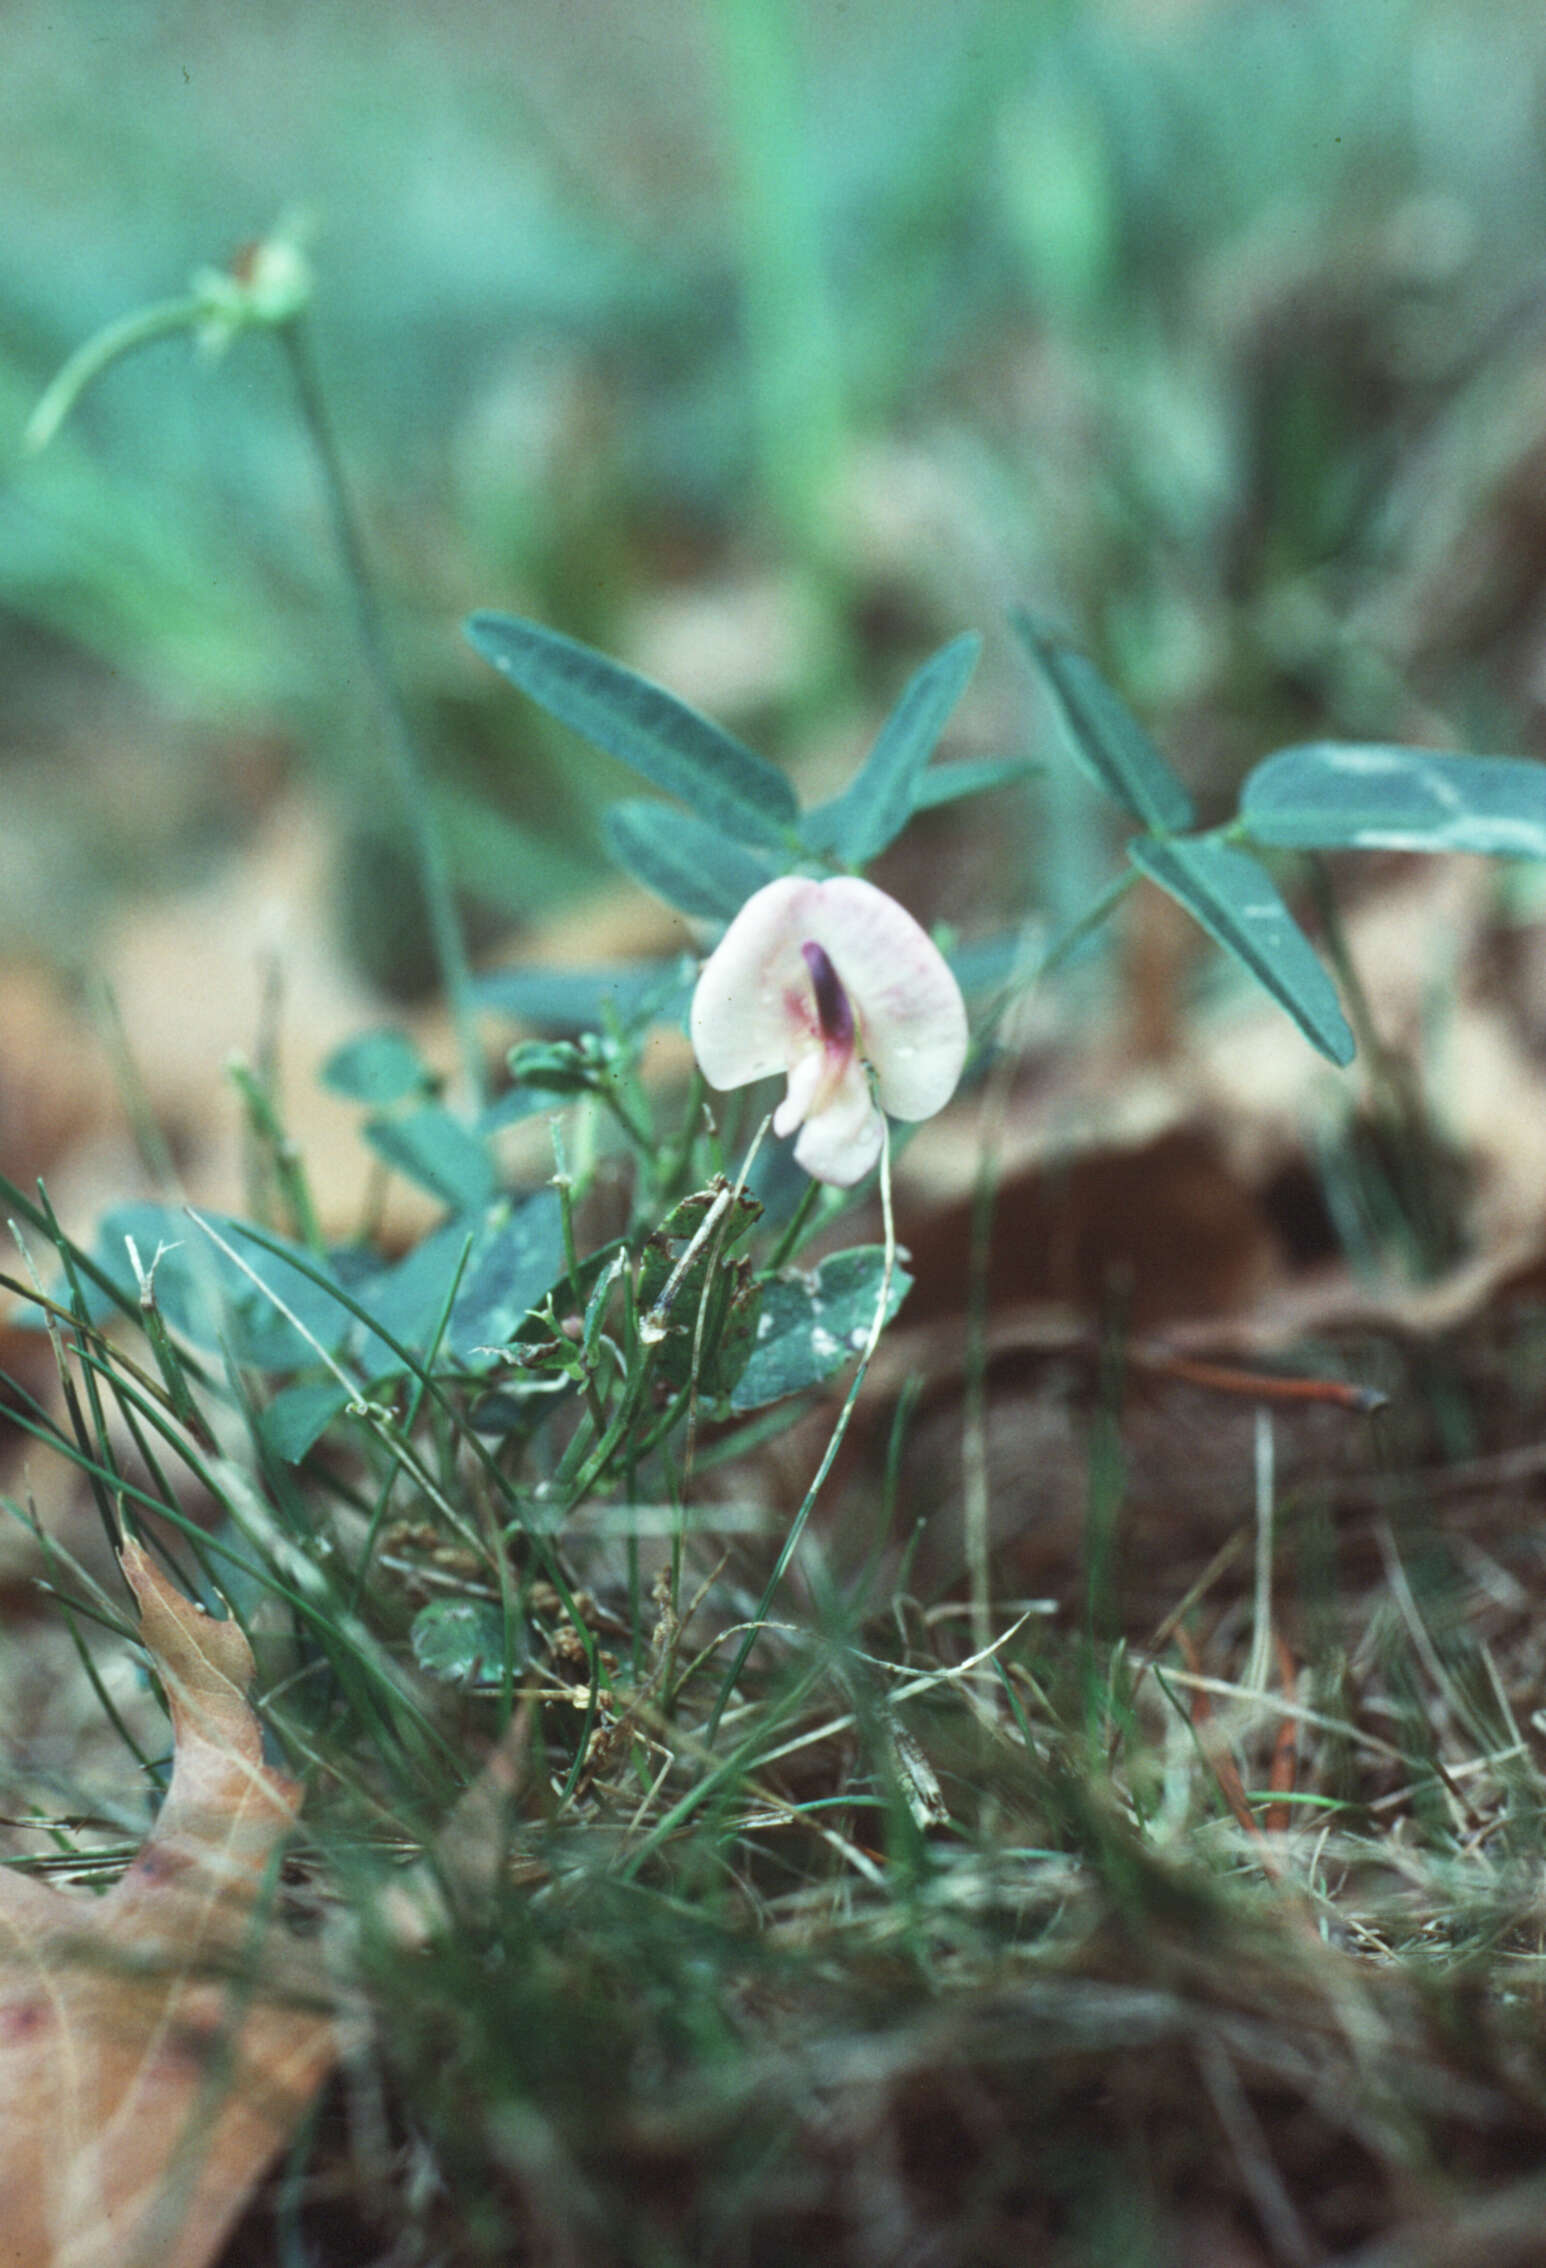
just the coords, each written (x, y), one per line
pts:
(88, 362)
(793, 342)
(621, 1108)
(995, 1110)
(1032, 971)
(795, 1227)
(676, 1157)
(564, 1184)
(155, 1153)
(269, 1132)
(408, 765)
(1422, 1188)
(1062, 948)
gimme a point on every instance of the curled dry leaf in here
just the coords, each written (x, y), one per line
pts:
(153, 2057)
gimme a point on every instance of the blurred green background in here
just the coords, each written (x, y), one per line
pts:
(765, 343)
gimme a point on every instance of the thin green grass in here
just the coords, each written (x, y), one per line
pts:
(800, 1913)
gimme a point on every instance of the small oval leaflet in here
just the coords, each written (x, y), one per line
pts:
(380, 1066)
(463, 1642)
(810, 1325)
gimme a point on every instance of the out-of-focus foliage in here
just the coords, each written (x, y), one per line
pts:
(1215, 326)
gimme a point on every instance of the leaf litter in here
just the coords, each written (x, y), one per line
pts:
(158, 2044)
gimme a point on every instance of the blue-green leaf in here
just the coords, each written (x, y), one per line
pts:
(210, 1300)
(298, 1416)
(681, 860)
(511, 1107)
(971, 775)
(872, 811)
(1330, 795)
(435, 1149)
(573, 1000)
(1239, 905)
(727, 785)
(377, 1067)
(810, 1325)
(1104, 737)
(513, 1255)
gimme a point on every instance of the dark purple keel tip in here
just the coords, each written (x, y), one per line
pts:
(833, 1008)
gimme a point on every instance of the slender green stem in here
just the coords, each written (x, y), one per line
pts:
(88, 362)
(676, 1157)
(794, 343)
(562, 1182)
(797, 1526)
(286, 1163)
(636, 1131)
(1031, 971)
(795, 1227)
(412, 774)
(1090, 920)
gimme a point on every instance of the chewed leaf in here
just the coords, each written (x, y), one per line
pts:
(810, 1325)
(1104, 736)
(684, 862)
(722, 1332)
(726, 784)
(1330, 795)
(1238, 904)
(462, 1641)
(857, 825)
(159, 2045)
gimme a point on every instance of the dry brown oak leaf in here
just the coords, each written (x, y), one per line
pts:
(152, 2063)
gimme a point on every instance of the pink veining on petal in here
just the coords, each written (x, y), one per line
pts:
(743, 1006)
(914, 1019)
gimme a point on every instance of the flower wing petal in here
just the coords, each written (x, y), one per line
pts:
(913, 1018)
(743, 1027)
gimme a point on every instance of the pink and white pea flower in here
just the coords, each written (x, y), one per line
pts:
(819, 980)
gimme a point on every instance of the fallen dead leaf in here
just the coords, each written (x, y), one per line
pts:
(150, 2067)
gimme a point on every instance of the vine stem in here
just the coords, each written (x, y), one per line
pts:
(408, 765)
